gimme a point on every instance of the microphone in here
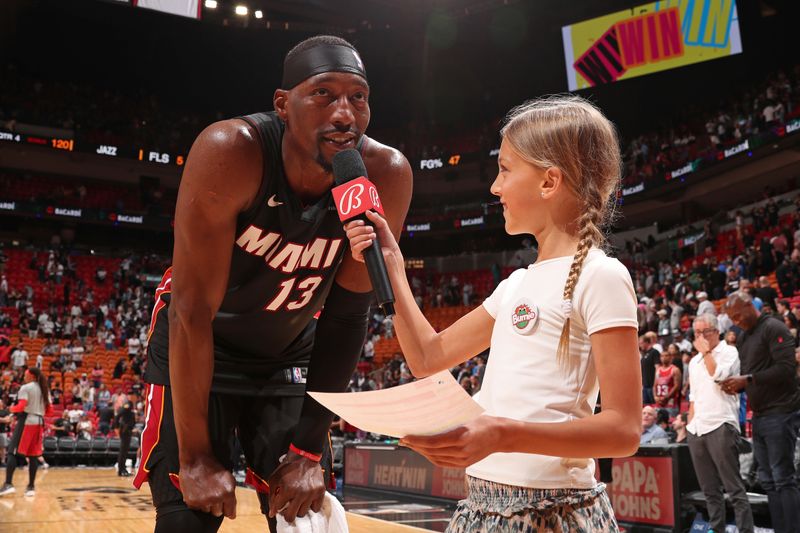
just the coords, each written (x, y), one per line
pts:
(354, 195)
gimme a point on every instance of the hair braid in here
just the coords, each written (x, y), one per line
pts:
(41, 380)
(588, 235)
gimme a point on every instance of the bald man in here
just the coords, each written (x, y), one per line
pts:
(768, 373)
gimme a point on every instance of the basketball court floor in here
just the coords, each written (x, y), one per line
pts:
(78, 500)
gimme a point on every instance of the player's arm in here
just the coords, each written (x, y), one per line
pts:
(221, 177)
(338, 342)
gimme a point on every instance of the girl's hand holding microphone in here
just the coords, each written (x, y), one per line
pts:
(361, 236)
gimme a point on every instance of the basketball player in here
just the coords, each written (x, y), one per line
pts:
(259, 250)
(558, 330)
(33, 401)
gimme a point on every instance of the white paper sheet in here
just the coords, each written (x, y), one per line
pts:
(426, 407)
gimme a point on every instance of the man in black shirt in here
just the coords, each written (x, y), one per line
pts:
(766, 292)
(769, 370)
(124, 420)
(62, 426)
(650, 357)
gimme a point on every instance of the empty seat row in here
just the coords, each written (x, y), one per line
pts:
(99, 450)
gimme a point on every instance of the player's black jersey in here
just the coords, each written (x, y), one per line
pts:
(283, 264)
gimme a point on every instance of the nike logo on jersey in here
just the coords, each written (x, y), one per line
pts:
(273, 201)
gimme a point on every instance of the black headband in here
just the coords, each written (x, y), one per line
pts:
(321, 58)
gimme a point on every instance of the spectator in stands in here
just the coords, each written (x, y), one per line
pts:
(467, 291)
(466, 384)
(103, 396)
(97, 374)
(100, 274)
(782, 308)
(653, 336)
(684, 345)
(105, 417)
(714, 425)
(679, 428)
(120, 368)
(369, 349)
(730, 338)
(134, 347)
(706, 306)
(667, 382)
(117, 399)
(87, 392)
(652, 433)
(74, 414)
(62, 426)
(662, 421)
(664, 328)
(85, 429)
(732, 281)
(649, 359)
(19, 357)
(769, 370)
(475, 384)
(109, 338)
(388, 327)
(55, 393)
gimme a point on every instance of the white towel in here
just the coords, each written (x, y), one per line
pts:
(329, 519)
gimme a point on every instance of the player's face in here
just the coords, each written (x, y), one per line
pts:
(328, 113)
(517, 186)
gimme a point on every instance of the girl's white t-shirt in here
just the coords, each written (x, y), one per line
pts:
(523, 380)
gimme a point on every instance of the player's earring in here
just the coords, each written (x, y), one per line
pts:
(542, 194)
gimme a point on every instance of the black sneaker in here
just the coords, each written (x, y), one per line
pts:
(7, 488)
(124, 473)
(30, 491)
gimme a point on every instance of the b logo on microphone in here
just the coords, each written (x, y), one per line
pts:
(351, 199)
(356, 197)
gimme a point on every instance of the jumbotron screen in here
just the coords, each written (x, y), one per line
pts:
(649, 38)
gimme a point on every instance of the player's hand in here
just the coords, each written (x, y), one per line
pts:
(296, 486)
(208, 487)
(362, 234)
(462, 446)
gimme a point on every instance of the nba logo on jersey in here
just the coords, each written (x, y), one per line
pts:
(525, 317)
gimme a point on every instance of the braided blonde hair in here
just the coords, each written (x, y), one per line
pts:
(570, 133)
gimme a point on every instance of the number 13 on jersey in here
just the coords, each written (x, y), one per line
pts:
(306, 289)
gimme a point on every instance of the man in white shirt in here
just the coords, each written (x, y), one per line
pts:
(714, 425)
(19, 358)
(134, 345)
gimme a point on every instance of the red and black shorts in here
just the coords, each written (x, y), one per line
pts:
(263, 425)
(27, 439)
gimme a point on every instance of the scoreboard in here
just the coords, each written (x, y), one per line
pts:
(71, 145)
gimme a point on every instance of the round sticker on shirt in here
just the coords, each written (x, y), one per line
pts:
(524, 317)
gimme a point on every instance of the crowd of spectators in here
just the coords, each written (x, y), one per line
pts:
(762, 107)
(73, 328)
(114, 116)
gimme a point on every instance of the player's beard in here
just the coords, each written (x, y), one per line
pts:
(326, 165)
